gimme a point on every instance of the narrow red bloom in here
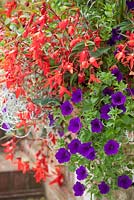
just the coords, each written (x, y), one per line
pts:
(97, 41)
(63, 24)
(63, 91)
(71, 30)
(59, 177)
(93, 62)
(9, 7)
(93, 79)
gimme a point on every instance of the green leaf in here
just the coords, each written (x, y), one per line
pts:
(73, 78)
(125, 25)
(46, 101)
(100, 52)
(2, 43)
(20, 31)
(94, 100)
(127, 120)
(72, 167)
(13, 27)
(7, 21)
(78, 47)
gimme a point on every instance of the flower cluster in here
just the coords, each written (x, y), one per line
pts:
(62, 74)
(124, 52)
(101, 127)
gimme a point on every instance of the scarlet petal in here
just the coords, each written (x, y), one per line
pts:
(93, 62)
(131, 43)
(71, 30)
(63, 24)
(63, 91)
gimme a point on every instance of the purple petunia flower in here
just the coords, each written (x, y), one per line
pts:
(84, 149)
(103, 187)
(91, 155)
(4, 110)
(116, 35)
(96, 126)
(124, 181)
(116, 51)
(111, 147)
(66, 108)
(75, 125)
(77, 96)
(118, 98)
(130, 5)
(130, 91)
(63, 155)
(81, 173)
(108, 91)
(5, 126)
(51, 119)
(61, 133)
(104, 111)
(78, 189)
(74, 146)
(117, 73)
(122, 107)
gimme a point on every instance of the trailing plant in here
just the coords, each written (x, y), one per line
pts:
(66, 74)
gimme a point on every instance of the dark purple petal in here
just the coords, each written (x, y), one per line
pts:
(116, 36)
(111, 41)
(124, 181)
(130, 91)
(118, 74)
(116, 51)
(104, 111)
(84, 148)
(91, 154)
(103, 187)
(61, 133)
(77, 96)
(5, 126)
(78, 189)
(111, 147)
(66, 108)
(81, 173)
(108, 91)
(104, 116)
(4, 110)
(115, 30)
(122, 107)
(75, 125)
(118, 99)
(96, 126)
(130, 5)
(51, 119)
(74, 145)
(63, 155)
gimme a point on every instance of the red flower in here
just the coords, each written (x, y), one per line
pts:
(52, 138)
(97, 41)
(81, 77)
(63, 24)
(22, 166)
(59, 177)
(93, 62)
(63, 91)
(71, 30)
(84, 56)
(74, 42)
(9, 7)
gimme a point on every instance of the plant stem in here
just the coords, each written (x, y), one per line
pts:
(91, 196)
(122, 9)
